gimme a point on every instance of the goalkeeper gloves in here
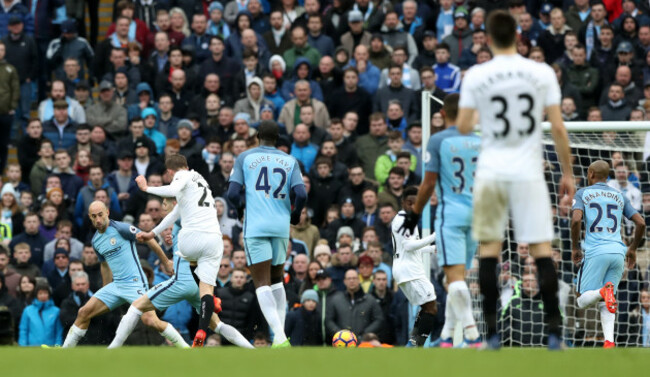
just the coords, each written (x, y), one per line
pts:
(411, 220)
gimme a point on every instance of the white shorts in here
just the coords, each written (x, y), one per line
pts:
(529, 204)
(204, 248)
(418, 291)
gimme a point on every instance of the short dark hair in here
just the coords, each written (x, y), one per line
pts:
(502, 28)
(268, 131)
(249, 53)
(84, 127)
(394, 65)
(442, 46)
(323, 160)
(95, 167)
(408, 191)
(403, 154)
(397, 171)
(450, 105)
(426, 69)
(176, 162)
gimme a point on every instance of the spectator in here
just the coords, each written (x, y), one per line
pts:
(150, 117)
(616, 107)
(380, 54)
(239, 304)
(32, 237)
(70, 182)
(530, 29)
(60, 129)
(22, 53)
(22, 265)
(224, 67)
(316, 38)
(107, 113)
(229, 227)
(603, 56)
(29, 146)
(11, 278)
(410, 77)
(552, 40)
(303, 324)
(63, 231)
(460, 37)
(396, 91)
(199, 38)
(253, 101)
(70, 45)
(369, 75)
(48, 213)
(578, 15)
(42, 168)
(569, 110)
(349, 304)
(567, 89)
(290, 113)
(40, 323)
(468, 55)
(624, 77)
(391, 190)
(59, 274)
(583, 77)
(278, 39)
(302, 70)
(357, 35)
(588, 34)
(388, 160)
(447, 74)
(522, 316)
(372, 145)
(306, 232)
(86, 195)
(366, 275)
(122, 180)
(300, 48)
(302, 149)
(622, 184)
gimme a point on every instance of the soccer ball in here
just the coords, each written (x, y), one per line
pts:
(344, 338)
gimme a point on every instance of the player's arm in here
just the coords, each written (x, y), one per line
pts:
(107, 274)
(639, 232)
(171, 190)
(466, 120)
(561, 139)
(167, 221)
(165, 263)
(298, 192)
(234, 195)
(576, 234)
(411, 245)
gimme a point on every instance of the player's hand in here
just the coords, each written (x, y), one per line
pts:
(630, 258)
(567, 186)
(167, 267)
(295, 217)
(411, 220)
(576, 256)
(144, 236)
(240, 213)
(142, 182)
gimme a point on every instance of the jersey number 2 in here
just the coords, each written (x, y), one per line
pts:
(263, 182)
(202, 202)
(506, 122)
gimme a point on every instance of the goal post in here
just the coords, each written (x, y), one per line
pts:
(520, 310)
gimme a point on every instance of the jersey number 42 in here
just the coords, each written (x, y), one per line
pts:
(262, 183)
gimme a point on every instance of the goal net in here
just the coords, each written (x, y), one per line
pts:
(521, 314)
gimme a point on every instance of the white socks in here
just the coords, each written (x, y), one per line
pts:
(461, 303)
(607, 321)
(588, 298)
(127, 324)
(233, 336)
(269, 309)
(74, 336)
(450, 321)
(174, 337)
(280, 297)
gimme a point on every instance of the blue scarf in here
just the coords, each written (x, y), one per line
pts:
(590, 37)
(416, 23)
(366, 15)
(132, 29)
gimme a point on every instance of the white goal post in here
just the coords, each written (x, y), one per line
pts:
(520, 319)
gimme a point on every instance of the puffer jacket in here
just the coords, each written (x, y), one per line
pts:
(40, 324)
(239, 310)
(360, 313)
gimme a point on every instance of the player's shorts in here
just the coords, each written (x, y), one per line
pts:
(169, 292)
(597, 270)
(204, 248)
(528, 202)
(262, 249)
(418, 291)
(454, 245)
(116, 294)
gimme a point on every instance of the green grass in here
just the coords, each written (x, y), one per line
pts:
(308, 362)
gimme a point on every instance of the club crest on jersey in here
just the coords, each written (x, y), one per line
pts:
(427, 157)
(133, 229)
(113, 241)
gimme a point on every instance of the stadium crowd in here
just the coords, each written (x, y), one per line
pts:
(343, 79)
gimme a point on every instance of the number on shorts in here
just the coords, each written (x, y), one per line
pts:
(262, 183)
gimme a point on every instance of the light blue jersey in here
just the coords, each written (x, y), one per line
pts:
(268, 175)
(181, 266)
(603, 209)
(116, 246)
(453, 157)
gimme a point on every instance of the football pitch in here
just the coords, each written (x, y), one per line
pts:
(156, 361)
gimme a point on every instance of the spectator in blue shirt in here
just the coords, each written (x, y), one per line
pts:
(40, 322)
(302, 149)
(447, 73)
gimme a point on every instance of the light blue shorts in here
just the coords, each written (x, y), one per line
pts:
(262, 249)
(172, 291)
(454, 245)
(117, 294)
(597, 270)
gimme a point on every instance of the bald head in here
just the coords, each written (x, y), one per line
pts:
(98, 214)
(598, 172)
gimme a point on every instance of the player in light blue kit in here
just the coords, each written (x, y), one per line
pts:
(270, 178)
(181, 286)
(601, 208)
(452, 157)
(114, 243)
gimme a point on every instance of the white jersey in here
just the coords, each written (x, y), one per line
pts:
(195, 203)
(510, 94)
(409, 248)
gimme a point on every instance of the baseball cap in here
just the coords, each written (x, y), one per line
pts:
(105, 85)
(69, 26)
(140, 142)
(122, 154)
(355, 16)
(428, 33)
(15, 20)
(346, 199)
(322, 274)
(186, 123)
(546, 8)
(624, 46)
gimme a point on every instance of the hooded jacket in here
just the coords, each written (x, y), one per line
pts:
(158, 138)
(458, 41)
(134, 110)
(289, 85)
(227, 224)
(40, 324)
(16, 8)
(248, 105)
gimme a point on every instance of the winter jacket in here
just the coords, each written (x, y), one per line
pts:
(37, 177)
(306, 154)
(76, 112)
(586, 80)
(36, 244)
(285, 42)
(225, 68)
(303, 328)
(239, 309)
(42, 16)
(326, 190)
(227, 224)
(40, 324)
(102, 328)
(9, 87)
(523, 319)
(347, 41)
(16, 8)
(248, 105)
(235, 48)
(87, 195)
(382, 59)
(360, 313)
(22, 53)
(369, 148)
(573, 19)
(448, 77)
(60, 49)
(368, 80)
(618, 112)
(291, 55)
(397, 37)
(405, 96)
(288, 113)
(201, 44)
(60, 140)
(386, 162)
(552, 43)
(111, 116)
(413, 81)
(307, 233)
(289, 85)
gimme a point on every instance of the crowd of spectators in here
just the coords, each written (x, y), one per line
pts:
(87, 113)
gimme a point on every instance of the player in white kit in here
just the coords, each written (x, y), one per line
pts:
(511, 94)
(200, 240)
(408, 269)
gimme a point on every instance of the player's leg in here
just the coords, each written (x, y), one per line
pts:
(531, 214)
(591, 278)
(421, 292)
(616, 267)
(130, 320)
(443, 250)
(91, 309)
(230, 333)
(279, 247)
(260, 254)
(488, 227)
